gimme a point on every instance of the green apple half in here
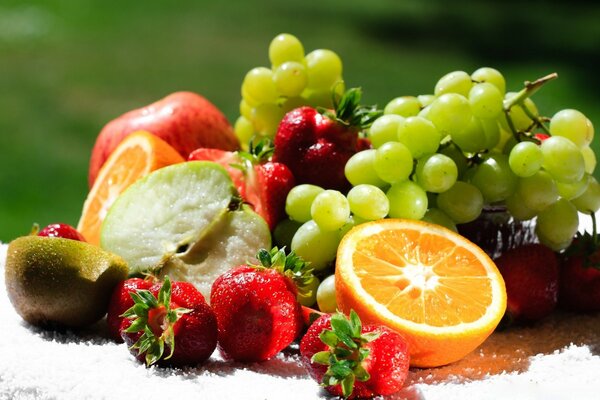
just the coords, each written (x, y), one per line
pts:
(185, 221)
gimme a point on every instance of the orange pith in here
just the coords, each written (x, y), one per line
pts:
(136, 156)
(435, 287)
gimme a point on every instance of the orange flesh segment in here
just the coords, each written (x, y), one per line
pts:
(423, 278)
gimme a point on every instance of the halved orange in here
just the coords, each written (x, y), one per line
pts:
(136, 156)
(439, 290)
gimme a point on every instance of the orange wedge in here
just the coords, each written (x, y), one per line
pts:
(436, 288)
(136, 156)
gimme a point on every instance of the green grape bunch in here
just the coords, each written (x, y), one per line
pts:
(294, 79)
(445, 157)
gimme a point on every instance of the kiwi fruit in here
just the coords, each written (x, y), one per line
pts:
(60, 283)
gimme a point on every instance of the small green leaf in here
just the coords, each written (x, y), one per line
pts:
(355, 324)
(137, 325)
(322, 357)
(329, 338)
(347, 385)
(360, 373)
(341, 325)
(341, 369)
(369, 337)
(341, 352)
(363, 354)
(164, 294)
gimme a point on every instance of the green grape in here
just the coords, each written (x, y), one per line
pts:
(405, 106)
(324, 68)
(384, 129)
(450, 113)
(368, 202)
(471, 139)
(487, 74)
(557, 224)
(572, 125)
(266, 119)
(517, 208)
(244, 131)
(292, 103)
(309, 298)
(491, 132)
(290, 78)
(419, 135)
(393, 162)
(285, 47)
(259, 86)
(299, 201)
(438, 217)
(494, 178)
(589, 201)
(562, 159)
(525, 159)
(589, 159)
(457, 156)
(521, 121)
(360, 168)
(454, 82)
(426, 99)
(323, 97)
(485, 100)
(245, 110)
(407, 200)
(315, 245)
(284, 232)
(537, 191)
(463, 202)
(424, 113)
(246, 98)
(570, 191)
(590, 132)
(330, 210)
(503, 145)
(326, 299)
(351, 222)
(436, 173)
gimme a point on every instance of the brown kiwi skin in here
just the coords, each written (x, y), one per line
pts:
(60, 283)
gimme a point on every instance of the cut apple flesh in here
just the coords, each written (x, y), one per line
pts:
(179, 218)
(232, 240)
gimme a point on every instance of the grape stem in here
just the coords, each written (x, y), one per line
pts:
(519, 99)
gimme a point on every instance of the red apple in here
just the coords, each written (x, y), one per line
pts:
(185, 120)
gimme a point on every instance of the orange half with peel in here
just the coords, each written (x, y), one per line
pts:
(435, 287)
(135, 157)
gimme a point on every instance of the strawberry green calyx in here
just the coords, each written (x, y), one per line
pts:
(155, 318)
(349, 112)
(290, 265)
(346, 352)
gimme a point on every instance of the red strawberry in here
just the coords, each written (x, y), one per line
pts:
(541, 136)
(317, 146)
(121, 301)
(530, 273)
(262, 183)
(256, 307)
(170, 319)
(354, 361)
(580, 273)
(64, 231)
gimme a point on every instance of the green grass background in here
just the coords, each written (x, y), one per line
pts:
(68, 67)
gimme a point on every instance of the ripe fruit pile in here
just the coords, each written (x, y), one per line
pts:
(358, 195)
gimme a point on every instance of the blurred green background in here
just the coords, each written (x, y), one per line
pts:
(68, 67)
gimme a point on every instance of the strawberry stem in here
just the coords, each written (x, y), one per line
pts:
(349, 112)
